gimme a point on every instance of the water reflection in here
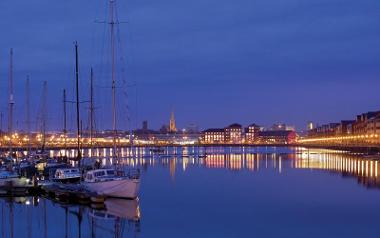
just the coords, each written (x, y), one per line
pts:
(244, 158)
(163, 200)
(39, 217)
(254, 159)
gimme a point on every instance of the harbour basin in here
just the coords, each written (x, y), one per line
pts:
(219, 192)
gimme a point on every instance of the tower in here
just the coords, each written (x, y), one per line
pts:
(310, 125)
(172, 127)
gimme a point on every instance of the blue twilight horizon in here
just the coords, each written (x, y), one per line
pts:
(212, 62)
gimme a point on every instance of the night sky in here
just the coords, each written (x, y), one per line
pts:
(213, 62)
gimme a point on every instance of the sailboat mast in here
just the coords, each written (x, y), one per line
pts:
(91, 108)
(64, 119)
(44, 113)
(27, 104)
(112, 23)
(11, 100)
(1, 123)
(79, 156)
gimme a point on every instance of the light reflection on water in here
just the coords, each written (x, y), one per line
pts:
(194, 191)
(249, 158)
(40, 217)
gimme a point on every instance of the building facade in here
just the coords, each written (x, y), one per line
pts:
(276, 137)
(213, 136)
(233, 134)
(365, 124)
(251, 133)
(373, 125)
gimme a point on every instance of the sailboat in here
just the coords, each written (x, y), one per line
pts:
(8, 176)
(112, 182)
(43, 163)
(26, 167)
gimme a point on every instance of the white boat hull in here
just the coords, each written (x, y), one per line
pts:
(120, 188)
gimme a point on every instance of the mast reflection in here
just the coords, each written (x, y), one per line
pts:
(47, 218)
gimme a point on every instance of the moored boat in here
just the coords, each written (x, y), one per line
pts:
(107, 183)
(26, 168)
(12, 179)
(67, 175)
(49, 168)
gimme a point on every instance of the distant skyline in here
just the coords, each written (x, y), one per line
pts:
(211, 62)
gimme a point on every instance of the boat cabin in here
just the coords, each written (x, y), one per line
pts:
(67, 173)
(99, 174)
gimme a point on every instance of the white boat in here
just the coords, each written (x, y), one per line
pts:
(8, 178)
(105, 182)
(67, 175)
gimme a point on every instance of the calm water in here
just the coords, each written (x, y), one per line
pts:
(232, 192)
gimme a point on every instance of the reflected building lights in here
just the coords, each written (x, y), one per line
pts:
(237, 159)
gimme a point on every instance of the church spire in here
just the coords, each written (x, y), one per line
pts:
(172, 126)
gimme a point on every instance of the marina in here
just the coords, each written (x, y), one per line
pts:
(247, 118)
(256, 176)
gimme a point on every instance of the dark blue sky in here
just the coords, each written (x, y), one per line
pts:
(213, 61)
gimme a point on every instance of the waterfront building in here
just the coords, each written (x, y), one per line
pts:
(344, 128)
(363, 131)
(276, 137)
(325, 130)
(365, 124)
(310, 125)
(251, 133)
(233, 134)
(373, 125)
(213, 136)
(362, 120)
(330, 129)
